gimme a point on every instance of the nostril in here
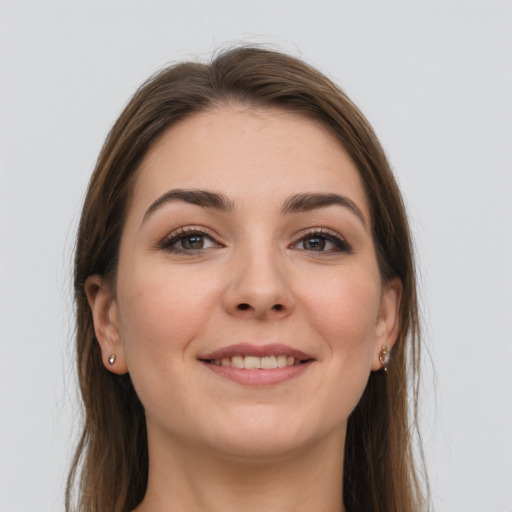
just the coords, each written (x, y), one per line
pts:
(244, 306)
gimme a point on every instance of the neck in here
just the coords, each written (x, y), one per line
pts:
(184, 480)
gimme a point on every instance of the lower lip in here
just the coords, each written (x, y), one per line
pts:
(258, 377)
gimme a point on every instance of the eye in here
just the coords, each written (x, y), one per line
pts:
(193, 242)
(322, 241)
(188, 240)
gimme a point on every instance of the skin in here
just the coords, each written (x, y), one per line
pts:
(216, 444)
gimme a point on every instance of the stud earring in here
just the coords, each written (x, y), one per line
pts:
(112, 359)
(384, 357)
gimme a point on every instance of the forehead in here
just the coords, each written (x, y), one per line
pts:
(248, 154)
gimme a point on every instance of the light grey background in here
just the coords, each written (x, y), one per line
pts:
(434, 78)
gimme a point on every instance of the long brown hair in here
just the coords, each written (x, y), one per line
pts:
(110, 468)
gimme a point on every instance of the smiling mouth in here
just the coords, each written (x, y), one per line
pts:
(255, 357)
(257, 365)
(255, 362)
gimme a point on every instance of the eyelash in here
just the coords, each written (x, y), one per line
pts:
(341, 245)
(183, 233)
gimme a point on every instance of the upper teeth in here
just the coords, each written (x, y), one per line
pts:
(254, 362)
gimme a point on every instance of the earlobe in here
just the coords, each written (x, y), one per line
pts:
(105, 316)
(388, 324)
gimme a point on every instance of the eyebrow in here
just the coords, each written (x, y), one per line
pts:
(295, 204)
(202, 198)
(311, 201)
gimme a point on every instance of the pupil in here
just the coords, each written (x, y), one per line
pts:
(315, 244)
(193, 242)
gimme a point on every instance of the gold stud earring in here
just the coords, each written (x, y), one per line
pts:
(384, 357)
(112, 359)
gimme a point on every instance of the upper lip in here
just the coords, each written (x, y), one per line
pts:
(248, 349)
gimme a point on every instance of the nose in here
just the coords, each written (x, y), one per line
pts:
(258, 286)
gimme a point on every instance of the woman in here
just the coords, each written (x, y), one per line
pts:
(246, 301)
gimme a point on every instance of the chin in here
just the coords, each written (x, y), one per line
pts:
(266, 438)
(260, 450)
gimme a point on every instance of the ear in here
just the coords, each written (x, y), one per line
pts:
(388, 322)
(106, 322)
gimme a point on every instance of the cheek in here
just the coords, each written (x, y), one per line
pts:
(160, 313)
(344, 310)
(160, 316)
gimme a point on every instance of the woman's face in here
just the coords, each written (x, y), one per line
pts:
(249, 309)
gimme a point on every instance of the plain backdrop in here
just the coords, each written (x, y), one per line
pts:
(435, 80)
